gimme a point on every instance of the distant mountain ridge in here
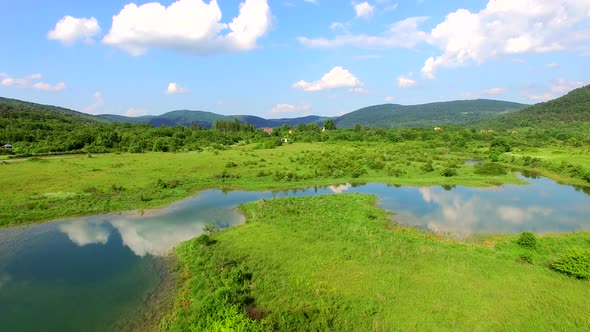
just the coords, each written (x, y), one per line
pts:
(206, 119)
(458, 112)
(574, 107)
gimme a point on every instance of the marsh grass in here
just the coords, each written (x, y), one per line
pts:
(337, 263)
(118, 182)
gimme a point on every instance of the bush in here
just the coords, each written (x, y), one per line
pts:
(526, 258)
(575, 263)
(448, 172)
(427, 168)
(490, 169)
(527, 240)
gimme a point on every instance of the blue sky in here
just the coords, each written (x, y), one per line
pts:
(288, 58)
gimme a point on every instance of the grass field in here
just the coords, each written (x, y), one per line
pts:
(38, 189)
(336, 263)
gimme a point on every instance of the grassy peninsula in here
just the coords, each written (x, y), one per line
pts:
(337, 263)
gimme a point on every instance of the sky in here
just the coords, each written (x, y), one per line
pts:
(289, 58)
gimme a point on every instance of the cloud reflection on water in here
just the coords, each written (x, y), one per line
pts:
(154, 235)
(467, 215)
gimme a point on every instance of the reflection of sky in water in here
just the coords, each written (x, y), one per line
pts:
(99, 258)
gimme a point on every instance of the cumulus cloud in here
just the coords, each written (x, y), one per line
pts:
(49, 87)
(31, 81)
(406, 82)
(174, 88)
(135, 112)
(364, 10)
(70, 29)
(339, 189)
(338, 77)
(290, 108)
(558, 88)
(98, 102)
(552, 65)
(494, 91)
(404, 34)
(390, 99)
(507, 27)
(84, 233)
(485, 93)
(189, 26)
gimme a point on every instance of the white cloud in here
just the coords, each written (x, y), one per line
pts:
(390, 99)
(494, 91)
(552, 65)
(290, 108)
(559, 88)
(562, 86)
(404, 34)
(188, 25)
(49, 87)
(488, 92)
(364, 10)
(339, 189)
(507, 27)
(84, 233)
(98, 102)
(135, 112)
(406, 82)
(540, 97)
(174, 88)
(69, 30)
(31, 81)
(367, 57)
(338, 77)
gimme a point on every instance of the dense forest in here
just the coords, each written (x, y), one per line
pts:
(459, 112)
(35, 129)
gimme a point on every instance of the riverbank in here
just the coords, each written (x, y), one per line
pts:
(337, 263)
(40, 189)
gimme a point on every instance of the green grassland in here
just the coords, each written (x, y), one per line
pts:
(337, 263)
(37, 189)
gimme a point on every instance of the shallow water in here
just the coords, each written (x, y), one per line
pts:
(94, 273)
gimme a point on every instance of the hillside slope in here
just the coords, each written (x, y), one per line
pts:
(13, 109)
(206, 119)
(568, 110)
(458, 112)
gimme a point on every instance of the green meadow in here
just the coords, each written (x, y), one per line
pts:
(39, 189)
(338, 263)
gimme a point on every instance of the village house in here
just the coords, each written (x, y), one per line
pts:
(437, 128)
(267, 130)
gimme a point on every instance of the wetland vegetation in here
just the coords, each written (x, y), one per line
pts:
(334, 262)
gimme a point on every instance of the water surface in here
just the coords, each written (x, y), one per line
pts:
(95, 273)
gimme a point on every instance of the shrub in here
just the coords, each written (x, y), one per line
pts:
(490, 169)
(526, 258)
(448, 172)
(427, 168)
(575, 263)
(527, 240)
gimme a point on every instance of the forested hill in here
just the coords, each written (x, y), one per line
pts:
(207, 119)
(17, 110)
(571, 109)
(458, 112)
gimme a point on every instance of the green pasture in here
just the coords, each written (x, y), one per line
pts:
(38, 189)
(338, 263)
